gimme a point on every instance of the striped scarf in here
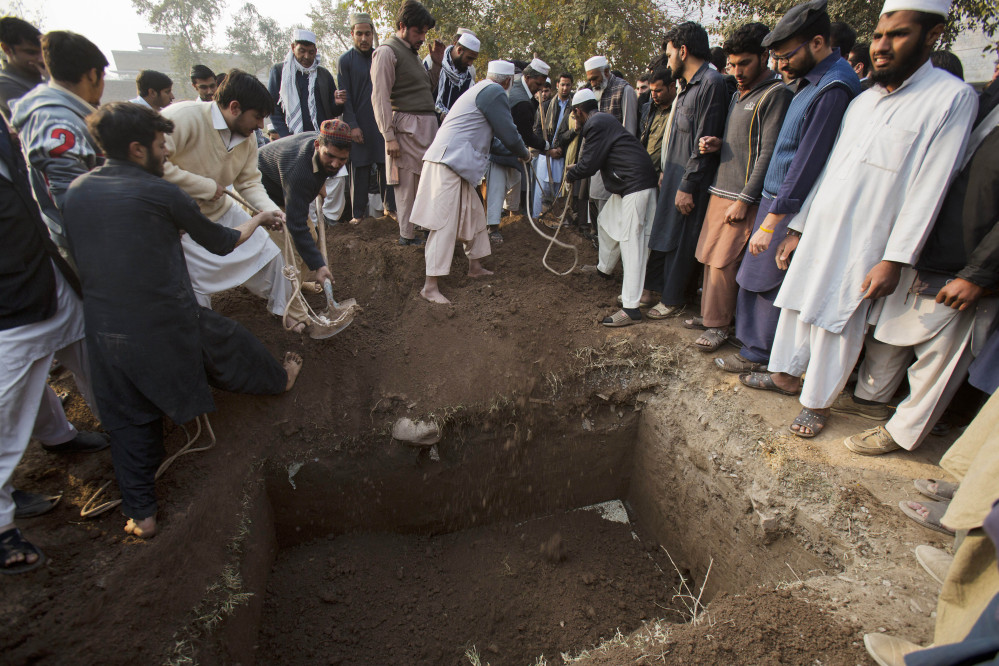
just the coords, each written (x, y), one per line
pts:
(288, 96)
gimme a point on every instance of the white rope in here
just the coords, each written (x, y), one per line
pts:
(89, 511)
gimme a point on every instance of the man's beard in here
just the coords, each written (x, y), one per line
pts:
(900, 69)
(806, 66)
(154, 165)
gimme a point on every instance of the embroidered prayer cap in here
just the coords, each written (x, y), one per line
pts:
(582, 97)
(596, 62)
(470, 42)
(336, 129)
(941, 7)
(797, 18)
(540, 66)
(300, 35)
(501, 67)
(361, 17)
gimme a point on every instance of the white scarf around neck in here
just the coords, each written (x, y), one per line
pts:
(288, 96)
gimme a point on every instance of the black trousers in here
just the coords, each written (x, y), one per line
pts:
(136, 453)
(362, 180)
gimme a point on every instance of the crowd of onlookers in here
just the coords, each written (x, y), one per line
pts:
(829, 207)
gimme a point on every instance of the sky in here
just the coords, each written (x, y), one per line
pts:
(116, 25)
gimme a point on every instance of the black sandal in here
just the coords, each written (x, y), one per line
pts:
(12, 542)
(810, 419)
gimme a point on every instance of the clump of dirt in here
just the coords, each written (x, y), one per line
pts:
(761, 627)
(390, 598)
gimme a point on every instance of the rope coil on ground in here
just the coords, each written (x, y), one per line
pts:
(89, 511)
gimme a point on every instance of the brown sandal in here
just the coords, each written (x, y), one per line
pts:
(738, 363)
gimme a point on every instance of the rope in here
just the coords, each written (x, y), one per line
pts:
(290, 269)
(89, 511)
(553, 239)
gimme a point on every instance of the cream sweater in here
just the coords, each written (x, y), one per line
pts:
(199, 160)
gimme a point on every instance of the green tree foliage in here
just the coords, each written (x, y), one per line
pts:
(862, 15)
(258, 39)
(563, 33)
(190, 22)
(329, 21)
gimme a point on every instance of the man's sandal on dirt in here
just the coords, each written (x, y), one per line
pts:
(715, 337)
(872, 442)
(32, 505)
(808, 418)
(641, 303)
(934, 561)
(695, 323)
(12, 543)
(888, 650)
(738, 363)
(845, 404)
(764, 381)
(944, 491)
(620, 318)
(660, 311)
(932, 520)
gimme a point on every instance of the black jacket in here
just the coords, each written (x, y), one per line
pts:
(326, 106)
(964, 242)
(609, 148)
(27, 279)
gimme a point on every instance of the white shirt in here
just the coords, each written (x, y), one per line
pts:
(139, 100)
(229, 140)
(879, 193)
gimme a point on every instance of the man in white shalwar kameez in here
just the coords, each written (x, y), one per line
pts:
(209, 152)
(447, 202)
(870, 211)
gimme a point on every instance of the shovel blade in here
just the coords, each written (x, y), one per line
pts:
(341, 318)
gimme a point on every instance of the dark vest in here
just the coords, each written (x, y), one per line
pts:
(412, 92)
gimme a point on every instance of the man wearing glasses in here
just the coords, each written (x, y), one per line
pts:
(823, 84)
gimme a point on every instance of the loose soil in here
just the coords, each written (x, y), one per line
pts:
(507, 592)
(522, 339)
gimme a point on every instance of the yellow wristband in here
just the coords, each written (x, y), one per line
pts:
(766, 231)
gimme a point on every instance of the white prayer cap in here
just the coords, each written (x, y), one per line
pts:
(304, 36)
(465, 31)
(470, 42)
(584, 95)
(502, 67)
(596, 62)
(540, 66)
(941, 7)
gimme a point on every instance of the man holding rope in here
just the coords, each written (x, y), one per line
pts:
(209, 152)
(294, 171)
(447, 202)
(153, 351)
(625, 222)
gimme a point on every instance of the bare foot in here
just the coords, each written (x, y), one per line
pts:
(792, 384)
(356, 220)
(475, 269)
(311, 287)
(292, 365)
(434, 295)
(144, 528)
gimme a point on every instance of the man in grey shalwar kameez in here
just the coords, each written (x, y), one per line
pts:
(367, 149)
(698, 110)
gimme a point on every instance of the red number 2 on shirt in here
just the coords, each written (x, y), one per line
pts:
(67, 139)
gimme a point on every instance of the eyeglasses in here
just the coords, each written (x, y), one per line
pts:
(786, 58)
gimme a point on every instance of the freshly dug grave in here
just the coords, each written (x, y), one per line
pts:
(512, 339)
(508, 593)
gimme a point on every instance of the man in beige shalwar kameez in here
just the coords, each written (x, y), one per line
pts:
(447, 202)
(404, 104)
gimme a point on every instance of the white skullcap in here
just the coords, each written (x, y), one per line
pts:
(304, 36)
(596, 62)
(465, 31)
(941, 7)
(502, 67)
(584, 95)
(470, 42)
(540, 66)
